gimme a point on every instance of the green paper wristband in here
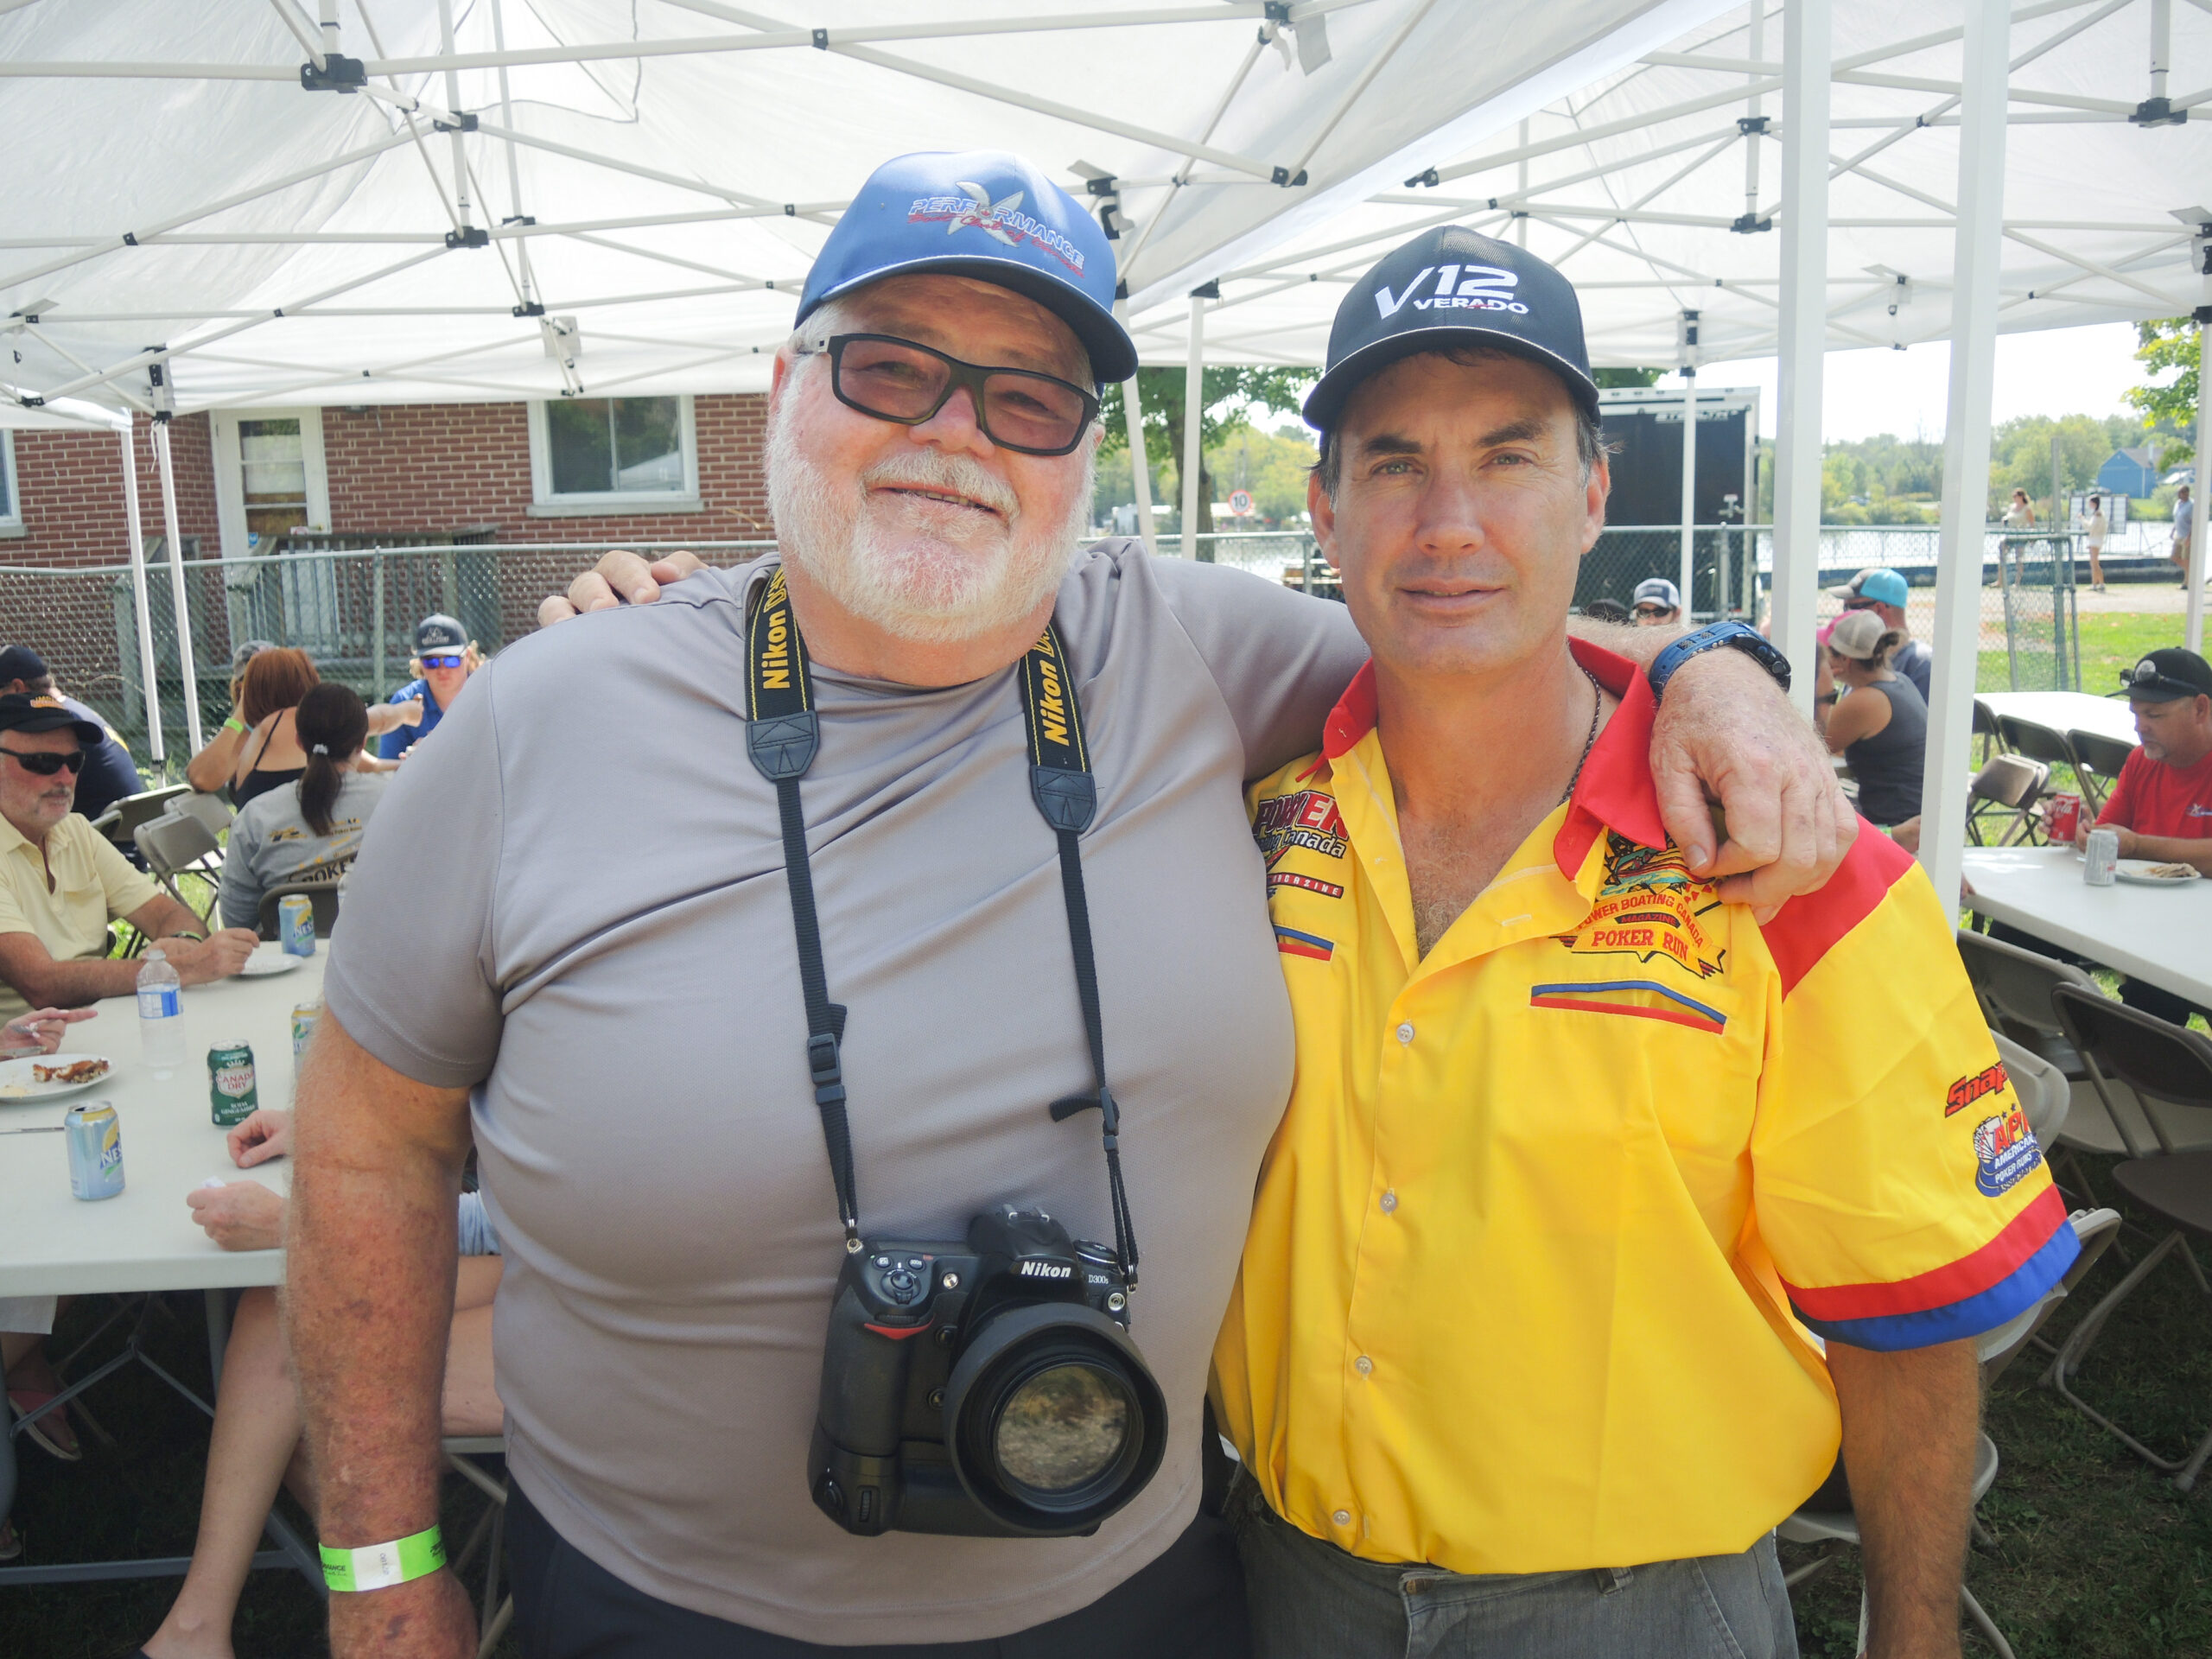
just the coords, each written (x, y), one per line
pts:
(379, 1567)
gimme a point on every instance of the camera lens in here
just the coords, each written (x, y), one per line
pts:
(1061, 1428)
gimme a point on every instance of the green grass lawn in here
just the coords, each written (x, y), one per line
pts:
(2111, 641)
(2095, 1556)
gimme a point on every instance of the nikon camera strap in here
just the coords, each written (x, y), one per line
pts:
(783, 734)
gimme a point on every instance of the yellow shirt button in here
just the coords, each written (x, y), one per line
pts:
(1389, 1202)
(1364, 1365)
(1342, 1517)
(1405, 1032)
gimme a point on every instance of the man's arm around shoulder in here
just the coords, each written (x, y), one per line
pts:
(369, 1289)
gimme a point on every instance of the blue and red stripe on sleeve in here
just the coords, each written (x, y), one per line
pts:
(1962, 1299)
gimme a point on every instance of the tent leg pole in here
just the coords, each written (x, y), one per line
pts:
(150, 686)
(1689, 472)
(1806, 49)
(2201, 539)
(1194, 400)
(1978, 246)
(187, 671)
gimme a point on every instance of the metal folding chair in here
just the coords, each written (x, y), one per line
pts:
(2007, 786)
(179, 843)
(498, 1612)
(119, 823)
(211, 810)
(2098, 759)
(1984, 727)
(2166, 1065)
(2036, 742)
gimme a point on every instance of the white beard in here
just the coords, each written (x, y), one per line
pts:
(938, 585)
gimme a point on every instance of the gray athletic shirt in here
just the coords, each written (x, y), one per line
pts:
(575, 903)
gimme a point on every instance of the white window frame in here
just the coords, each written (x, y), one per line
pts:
(230, 473)
(606, 503)
(11, 520)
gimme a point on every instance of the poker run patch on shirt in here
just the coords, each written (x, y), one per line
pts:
(1307, 819)
(1649, 906)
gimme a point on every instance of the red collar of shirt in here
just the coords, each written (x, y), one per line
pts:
(1615, 790)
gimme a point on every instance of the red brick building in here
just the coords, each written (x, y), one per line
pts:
(272, 492)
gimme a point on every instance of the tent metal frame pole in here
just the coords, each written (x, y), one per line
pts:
(187, 670)
(142, 610)
(1975, 261)
(1140, 463)
(1806, 44)
(1689, 464)
(2201, 541)
(1194, 412)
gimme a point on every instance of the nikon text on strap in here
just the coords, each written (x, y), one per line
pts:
(783, 734)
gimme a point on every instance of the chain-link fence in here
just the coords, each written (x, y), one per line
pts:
(353, 609)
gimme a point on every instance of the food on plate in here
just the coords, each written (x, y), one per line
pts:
(2169, 872)
(75, 1071)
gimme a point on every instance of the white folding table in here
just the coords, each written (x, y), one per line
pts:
(2160, 935)
(2065, 711)
(144, 1238)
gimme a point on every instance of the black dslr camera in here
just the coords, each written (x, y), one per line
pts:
(989, 1389)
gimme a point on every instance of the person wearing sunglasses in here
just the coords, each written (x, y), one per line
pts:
(1658, 605)
(444, 659)
(63, 882)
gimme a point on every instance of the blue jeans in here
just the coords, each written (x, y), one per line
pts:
(1311, 1600)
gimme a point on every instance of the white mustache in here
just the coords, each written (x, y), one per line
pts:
(932, 469)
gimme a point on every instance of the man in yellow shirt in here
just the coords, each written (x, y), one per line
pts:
(61, 882)
(1603, 1209)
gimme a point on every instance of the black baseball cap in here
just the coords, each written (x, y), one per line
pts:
(19, 713)
(2163, 676)
(1447, 287)
(439, 632)
(21, 662)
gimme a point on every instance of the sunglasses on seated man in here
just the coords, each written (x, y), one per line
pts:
(46, 763)
(897, 380)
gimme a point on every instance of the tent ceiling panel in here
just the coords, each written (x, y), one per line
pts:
(1636, 184)
(681, 160)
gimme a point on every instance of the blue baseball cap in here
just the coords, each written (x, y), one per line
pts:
(1884, 587)
(983, 213)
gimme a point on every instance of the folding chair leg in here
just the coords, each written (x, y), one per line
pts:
(497, 1628)
(2186, 1478)
(2077, 1344)
(1981, 1622)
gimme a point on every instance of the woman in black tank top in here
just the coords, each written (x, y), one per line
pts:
(1877, 722)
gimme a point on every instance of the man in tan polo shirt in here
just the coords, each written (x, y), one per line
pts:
(63, 882)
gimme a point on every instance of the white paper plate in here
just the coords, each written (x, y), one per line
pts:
(268, 957)
(2138, 871)
(19, 1082)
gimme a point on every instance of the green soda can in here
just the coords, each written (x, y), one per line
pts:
(232, 1096)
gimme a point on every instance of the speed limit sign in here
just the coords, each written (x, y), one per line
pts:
(1240, 503)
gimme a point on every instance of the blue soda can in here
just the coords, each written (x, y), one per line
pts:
(296, 924)
(95, 1138)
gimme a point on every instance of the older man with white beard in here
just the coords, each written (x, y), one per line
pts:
(832, 769)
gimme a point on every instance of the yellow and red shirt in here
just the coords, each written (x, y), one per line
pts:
(1536, 1249)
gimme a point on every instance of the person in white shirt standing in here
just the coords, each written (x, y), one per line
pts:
(2184, 524)
(2094, 528)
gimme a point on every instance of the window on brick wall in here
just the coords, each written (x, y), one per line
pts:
(11, 501)
(614, 456)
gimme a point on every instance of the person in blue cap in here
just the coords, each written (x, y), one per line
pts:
(444, 659)
(650, 1038)
(1887, 593)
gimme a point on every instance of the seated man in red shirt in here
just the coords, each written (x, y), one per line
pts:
(2161, 804)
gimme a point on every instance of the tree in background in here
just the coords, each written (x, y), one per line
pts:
(1233, 396)
(2019, 457)
(2169, 407)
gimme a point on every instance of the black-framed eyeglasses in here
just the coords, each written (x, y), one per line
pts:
(452, 659)
(898, 380)
(44, 763)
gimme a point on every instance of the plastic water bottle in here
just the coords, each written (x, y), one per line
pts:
(161, 1016)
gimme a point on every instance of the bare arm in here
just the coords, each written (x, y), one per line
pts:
(370, 1287)
(1860, 713)
(390, 717)
(1910, 1422)
(177, 932)
(2171, 849)
(45, 983)
(210, 769)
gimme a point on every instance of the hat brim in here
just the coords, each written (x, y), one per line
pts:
(1112, 354)
(2162, 691)
(88, 733)
(1325, 403)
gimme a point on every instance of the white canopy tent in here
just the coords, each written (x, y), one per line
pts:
(529, 197)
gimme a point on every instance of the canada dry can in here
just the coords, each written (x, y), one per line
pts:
(232, 1096)
(2101, 862)
(304, 1014)
(95, 1138)
(296, 924)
